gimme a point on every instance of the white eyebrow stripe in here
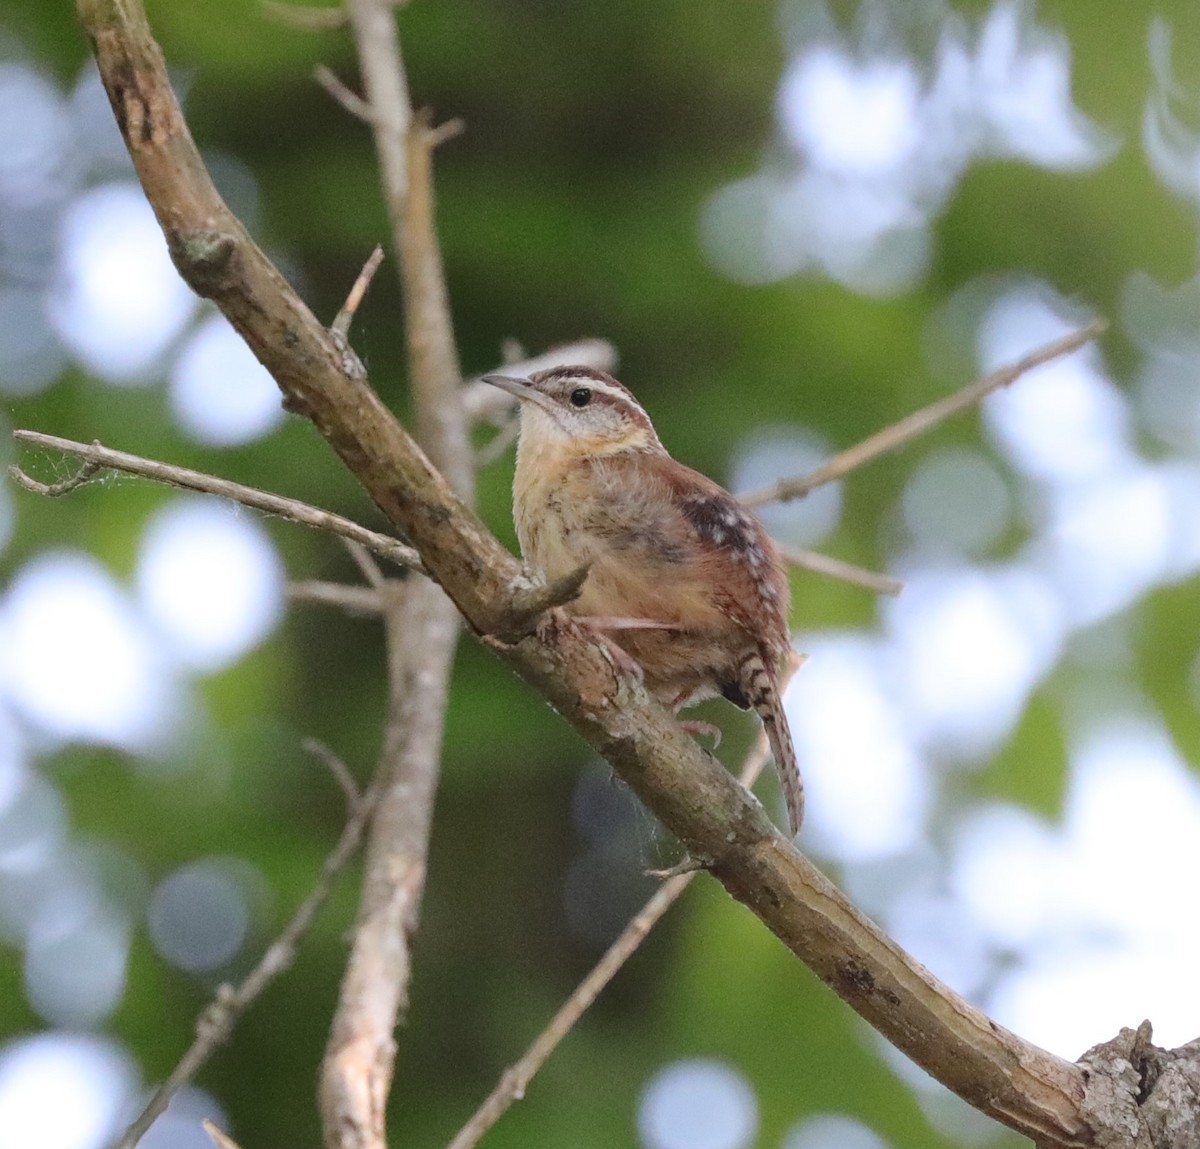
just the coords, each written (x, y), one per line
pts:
(605, 389)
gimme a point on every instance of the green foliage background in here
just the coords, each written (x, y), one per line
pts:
(568, 208)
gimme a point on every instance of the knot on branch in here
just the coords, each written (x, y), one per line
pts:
(203, 256)
(530, 600)
(1140, 1096)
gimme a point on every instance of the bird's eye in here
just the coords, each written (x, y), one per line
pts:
(581, 396)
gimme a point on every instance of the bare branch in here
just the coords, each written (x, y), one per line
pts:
(367, 566)
(500, 442)
(350, 101)
(445, 132)
(97, 456)
(343, 319)
(336, 767)
(362, 600)
(421, 623)
(219, 1139)
(919, 422)
(216, 1023)
(356, 1073)
(84, 475)
(839, 569)
(515, 1080)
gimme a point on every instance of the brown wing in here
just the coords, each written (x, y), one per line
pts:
(752, 582)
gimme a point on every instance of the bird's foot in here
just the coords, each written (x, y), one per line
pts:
(622, 661)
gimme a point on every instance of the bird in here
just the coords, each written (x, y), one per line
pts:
(681, 576)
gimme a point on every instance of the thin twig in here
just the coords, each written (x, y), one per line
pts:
(350, 101)
(216, 1023)
(923, 420)
(310, 17)
(839, 569)
(367, 566)
(421, 624)
(97, 456)
(53, 490)
(499, 443)
(336, 767)
(220, 1139)
(343, 319)
(515, 1080)
(445, 132)
(363, 600)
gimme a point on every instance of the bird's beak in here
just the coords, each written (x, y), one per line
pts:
(522, 389)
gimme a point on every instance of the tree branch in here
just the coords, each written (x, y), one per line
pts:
(343, 319)
(898, 434)
(714, 817)
(216, 1023)
(515, 1080)
(218, 1137)
(96, 457)
(421, 623)
(362, 600)
(357, 1071)
(839, 569)
(529, 600)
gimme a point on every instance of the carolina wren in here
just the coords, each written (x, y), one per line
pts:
(683, 575)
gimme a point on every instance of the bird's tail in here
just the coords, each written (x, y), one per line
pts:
(764, 693)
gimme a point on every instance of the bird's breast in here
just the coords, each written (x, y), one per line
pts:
(550, 510)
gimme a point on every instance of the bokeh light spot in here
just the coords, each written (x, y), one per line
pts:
(77, 660)
(783, 453)
(698, 1104)
(958, 701)
(180, 1127)
(119, 302)
(35, 136)
(62, 1091)
(832, 1131)
(30, 355)
(956, 502)
(219, 392)
(199, 916)
(76, 979)
(850, 116)
(868, 789)
(1062, 421)
(210, 581)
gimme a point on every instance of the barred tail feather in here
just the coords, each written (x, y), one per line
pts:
(761, 690)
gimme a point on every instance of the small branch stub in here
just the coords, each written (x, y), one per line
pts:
(530, 601)
(341, 323)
